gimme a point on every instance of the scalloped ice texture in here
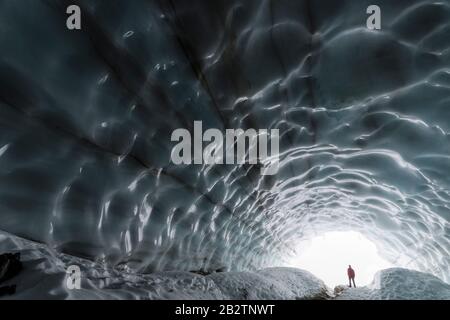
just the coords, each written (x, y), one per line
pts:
(86, 118)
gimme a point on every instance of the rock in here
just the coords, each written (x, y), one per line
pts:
(10, 266)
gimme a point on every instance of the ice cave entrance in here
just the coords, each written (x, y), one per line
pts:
(327, 256)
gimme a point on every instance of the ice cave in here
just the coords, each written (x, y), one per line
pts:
(86, 118)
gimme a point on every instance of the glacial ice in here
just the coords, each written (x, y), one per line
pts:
(86, 118)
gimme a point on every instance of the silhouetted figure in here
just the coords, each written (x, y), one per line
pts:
(351, 276)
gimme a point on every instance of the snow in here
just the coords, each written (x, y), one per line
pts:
(271, 283)
(44, 277)
(400, 284)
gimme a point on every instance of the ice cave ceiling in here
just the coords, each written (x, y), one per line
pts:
(86, 118)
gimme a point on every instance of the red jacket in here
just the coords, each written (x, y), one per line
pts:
(350, 273)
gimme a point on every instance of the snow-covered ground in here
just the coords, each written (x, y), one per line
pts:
(44, 277)
(399, 284)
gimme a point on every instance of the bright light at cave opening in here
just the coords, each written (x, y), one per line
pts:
(328, 256)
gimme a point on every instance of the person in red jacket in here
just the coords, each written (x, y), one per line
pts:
(351, 276)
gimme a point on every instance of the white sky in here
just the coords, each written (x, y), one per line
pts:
(328, 257)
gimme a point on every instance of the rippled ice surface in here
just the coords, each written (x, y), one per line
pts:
(86, 119)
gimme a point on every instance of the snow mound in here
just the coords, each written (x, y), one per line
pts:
(399, 284)
(272, 283)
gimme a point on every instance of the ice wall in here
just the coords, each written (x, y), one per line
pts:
(86, 118)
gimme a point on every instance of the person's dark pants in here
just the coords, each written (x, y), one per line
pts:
(350, 282)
